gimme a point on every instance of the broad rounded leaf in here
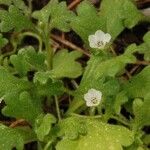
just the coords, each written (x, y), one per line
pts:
(99, 136)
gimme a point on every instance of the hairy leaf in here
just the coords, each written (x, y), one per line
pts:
(123, 14)
(97, 69)
(3, 41)
(143, 48)
(56, 14)
(139, 85)
(71, 128)
(10, 84)
(28, 60)
(98, 136)
(14, 19)
(87, 21)
(68, 68)
(25, 106)
(141, 111)
(43, 125)
(10, 138)
(109, 19)
(46, 86)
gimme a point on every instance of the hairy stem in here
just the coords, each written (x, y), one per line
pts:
(57, 108)
(35, 36)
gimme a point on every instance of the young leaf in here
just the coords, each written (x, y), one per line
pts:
(98, 136)
(5, 2)
(27, 60)
(10, 139)
(109, 19)
(46, 86)
(143, 48)
(97, 69)
(123, 14)
(10, 84)
(25, 106)
(141, 112)
(43, 125)
(56, 14)
(87, 21)
(133, 87)
(21, 5)
(120, 99)
(3, 41)
(68, 68)
(71, 128)
(14, 19)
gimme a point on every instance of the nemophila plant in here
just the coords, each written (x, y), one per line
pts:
(67, 97)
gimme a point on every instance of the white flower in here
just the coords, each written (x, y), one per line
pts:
(99, 39)
(93, 97)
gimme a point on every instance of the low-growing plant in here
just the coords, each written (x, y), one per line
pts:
(49, 97)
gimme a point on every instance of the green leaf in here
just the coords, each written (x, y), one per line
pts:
(22, 106)
(5, 2)
(27, 60)
(112, 20)
(123, 14)
(143, 48)
(121, 98)
(21, 5)
(71, 128)
(100, 67)
(27, 134)
(3, 41)
(87, 21)
(43, 125)
(98, 136)
(10, 84)
(56, 14)
(10, 139)
(46, 86)
(68, 68)
(14, 19)
(139, 85)
(141, 112)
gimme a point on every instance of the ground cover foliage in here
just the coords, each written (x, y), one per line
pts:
(45, 79)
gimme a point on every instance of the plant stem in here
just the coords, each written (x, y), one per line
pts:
(35, 36)
(47, 146)
(30, 6)
(121, 120)
(49, 51)
(92, 111)
(83, 116)
(57, 108)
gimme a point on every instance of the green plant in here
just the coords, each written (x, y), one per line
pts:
(85, 122)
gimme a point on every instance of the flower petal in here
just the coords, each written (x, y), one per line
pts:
(92, 41)
(107, 38)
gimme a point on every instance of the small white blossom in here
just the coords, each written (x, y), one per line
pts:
(93, 97)
(99, 39)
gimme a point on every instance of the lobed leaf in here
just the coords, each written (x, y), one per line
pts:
(3, 41)
(141, 111)
(10, 138)
(43, 125)
(14, 19)
(133, 87)
(112, 20)
(68, 68)
(98, 136)
(28, 59)
(25, 106)
(98, 68)
(56, 15)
